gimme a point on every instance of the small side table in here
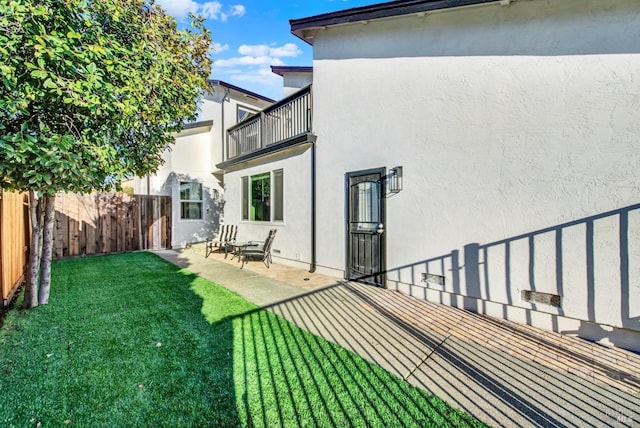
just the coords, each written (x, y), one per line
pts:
(236, 248)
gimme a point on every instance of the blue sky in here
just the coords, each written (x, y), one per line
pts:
(252, 35)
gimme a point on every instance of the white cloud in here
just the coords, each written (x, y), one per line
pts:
(260, 55)
(262, 75)
(237, 10)
(218, 48)
(290, 50)
(253, 50)
(179, 8)
(252, 67)
(215, 10)
(211, 10)
(286, 50)
(248, 61)
(261, 81)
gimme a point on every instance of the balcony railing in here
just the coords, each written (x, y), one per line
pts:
(283, 121)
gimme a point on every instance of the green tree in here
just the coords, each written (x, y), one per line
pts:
(91, 93)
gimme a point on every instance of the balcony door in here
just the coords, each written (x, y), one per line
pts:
(365, 226)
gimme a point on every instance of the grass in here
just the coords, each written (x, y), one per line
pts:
(131, 340)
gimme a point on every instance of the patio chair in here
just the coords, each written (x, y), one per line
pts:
(227, 235)
(259, 252)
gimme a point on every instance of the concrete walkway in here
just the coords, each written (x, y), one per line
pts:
(502, 373)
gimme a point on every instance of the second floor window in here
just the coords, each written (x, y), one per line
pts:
(244, 113)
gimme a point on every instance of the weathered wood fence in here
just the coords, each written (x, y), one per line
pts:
(99, 223)
(102, 223)
(14, 242)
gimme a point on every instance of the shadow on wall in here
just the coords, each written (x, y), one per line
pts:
(586, 260)
(191, 231)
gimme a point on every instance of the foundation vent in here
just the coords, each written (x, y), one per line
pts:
(431, 279)
(543, 298)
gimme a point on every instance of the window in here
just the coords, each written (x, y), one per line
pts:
(244, 113)
(190, 201)
(262, 197)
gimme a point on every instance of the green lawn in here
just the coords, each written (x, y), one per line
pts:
(131, 340)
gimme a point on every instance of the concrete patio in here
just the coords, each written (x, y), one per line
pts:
(500, 372)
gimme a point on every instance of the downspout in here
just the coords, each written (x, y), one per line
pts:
(222, 130)
(312, 269)
(312, 140)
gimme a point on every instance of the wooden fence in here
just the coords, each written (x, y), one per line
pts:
(102, 223)
(14, 242)
(98, 223)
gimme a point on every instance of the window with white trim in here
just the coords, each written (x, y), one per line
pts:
(243, 113)
(190, 200)
(262, 196)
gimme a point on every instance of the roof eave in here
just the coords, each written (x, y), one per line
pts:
(201, 124)
(282, 70)
(302, 27)
(240, 90)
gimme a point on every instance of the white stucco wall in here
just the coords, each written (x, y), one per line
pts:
(190, 162)
(187, 161)
(212, 110)
(292, 244)
(518, 130)
(293, 82)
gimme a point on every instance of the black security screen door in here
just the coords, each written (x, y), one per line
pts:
(365, 227)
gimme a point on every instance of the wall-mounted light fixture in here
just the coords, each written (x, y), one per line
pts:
(395, 179)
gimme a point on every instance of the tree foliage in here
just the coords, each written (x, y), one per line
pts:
(91, 93)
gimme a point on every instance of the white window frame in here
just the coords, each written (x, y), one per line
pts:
(246, 204)
(191, 201)
(249, 112)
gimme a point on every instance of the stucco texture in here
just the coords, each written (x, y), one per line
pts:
(519, 135)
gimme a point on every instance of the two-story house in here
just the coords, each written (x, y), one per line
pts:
(477, 153)
(188, 173)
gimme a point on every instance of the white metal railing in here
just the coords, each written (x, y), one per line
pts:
(283, 120)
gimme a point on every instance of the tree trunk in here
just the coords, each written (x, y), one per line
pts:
(47, 249)
(31, 287)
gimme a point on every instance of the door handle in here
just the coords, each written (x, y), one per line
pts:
(380, 229)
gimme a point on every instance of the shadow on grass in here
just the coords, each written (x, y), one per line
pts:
(130, 340)
(405, 337)
(286, 376)
(493, 386)
(122, 342)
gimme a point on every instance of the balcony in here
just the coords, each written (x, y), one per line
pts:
(285, 123)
